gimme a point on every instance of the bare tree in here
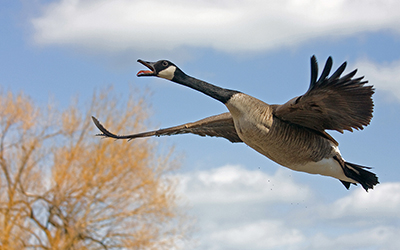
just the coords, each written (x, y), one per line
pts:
(63, 188)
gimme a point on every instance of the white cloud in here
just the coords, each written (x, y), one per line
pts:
(219, 185)
(230, 202)
(236, 209)
(264, 234)
(381, 237)
(382, 202)
(242, 25)
(384, 77)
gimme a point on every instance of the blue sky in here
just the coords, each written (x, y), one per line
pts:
(62, 49)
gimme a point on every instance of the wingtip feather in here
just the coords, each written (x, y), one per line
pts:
(326, 70)
(105, 132)
(314, 72)
(339, 71)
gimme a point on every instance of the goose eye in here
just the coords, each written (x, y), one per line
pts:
(165, 63)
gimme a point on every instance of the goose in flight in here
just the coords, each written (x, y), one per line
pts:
(292, 134)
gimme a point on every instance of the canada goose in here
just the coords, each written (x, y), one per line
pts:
(292, 134)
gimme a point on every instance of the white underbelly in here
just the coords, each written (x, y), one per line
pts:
(326, 167)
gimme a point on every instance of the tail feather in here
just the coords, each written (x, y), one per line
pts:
(347, 184)
(358, 173)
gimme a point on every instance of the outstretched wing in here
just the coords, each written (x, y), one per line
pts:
(218, 125)
(336, 103)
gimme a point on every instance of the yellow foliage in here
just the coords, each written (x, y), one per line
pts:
(63, 188)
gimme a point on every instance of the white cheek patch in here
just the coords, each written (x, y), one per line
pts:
(167, 73)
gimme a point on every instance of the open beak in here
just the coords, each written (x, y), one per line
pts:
(149, 65)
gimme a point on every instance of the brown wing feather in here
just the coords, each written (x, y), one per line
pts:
(219, 125)
(336, 103)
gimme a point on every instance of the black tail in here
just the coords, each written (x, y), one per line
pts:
(358, 173)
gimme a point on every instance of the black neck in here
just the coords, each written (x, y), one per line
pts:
(220, 94)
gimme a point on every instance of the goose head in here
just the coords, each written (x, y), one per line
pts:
(163, 68)
(167, 70)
